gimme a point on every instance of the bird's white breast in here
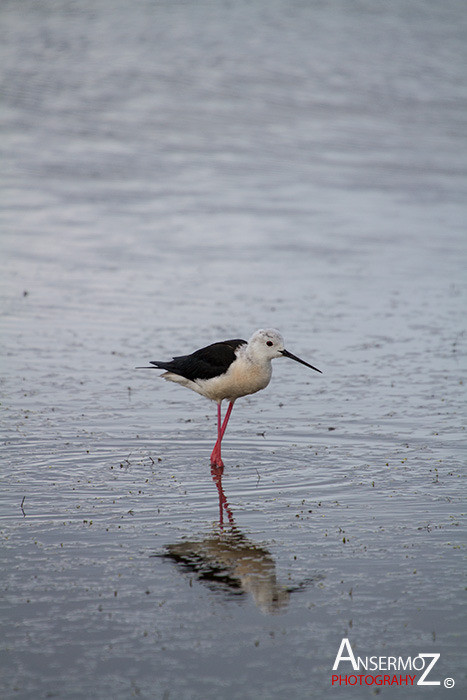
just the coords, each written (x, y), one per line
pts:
(242, 378)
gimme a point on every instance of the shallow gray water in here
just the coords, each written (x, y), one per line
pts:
(177, 173)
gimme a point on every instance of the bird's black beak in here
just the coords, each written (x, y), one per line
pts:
(288, 354)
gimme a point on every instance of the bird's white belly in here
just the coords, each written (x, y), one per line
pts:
(241, 379)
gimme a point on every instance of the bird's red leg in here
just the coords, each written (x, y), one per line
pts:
(219, 422)
(216, 459)
(226, 419)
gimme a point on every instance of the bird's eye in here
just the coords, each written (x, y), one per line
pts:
(270, 343)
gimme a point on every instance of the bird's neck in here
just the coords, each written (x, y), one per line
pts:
(252, 357)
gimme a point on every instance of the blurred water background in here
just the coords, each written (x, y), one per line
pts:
(175, 173)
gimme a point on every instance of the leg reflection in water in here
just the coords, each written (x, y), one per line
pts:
(216, 473)
(227, 560)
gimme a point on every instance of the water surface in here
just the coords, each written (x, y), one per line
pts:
(179, 173)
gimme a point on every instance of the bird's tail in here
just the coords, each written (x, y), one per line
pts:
(155, 364)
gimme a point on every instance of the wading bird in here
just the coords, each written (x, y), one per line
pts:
(228, 370)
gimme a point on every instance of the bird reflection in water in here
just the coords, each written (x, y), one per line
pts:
(227, 560)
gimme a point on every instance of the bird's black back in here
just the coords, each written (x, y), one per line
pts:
(206, 363)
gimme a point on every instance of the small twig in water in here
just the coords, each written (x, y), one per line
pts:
(22, 503)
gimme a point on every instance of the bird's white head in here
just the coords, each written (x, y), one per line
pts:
(266, 344)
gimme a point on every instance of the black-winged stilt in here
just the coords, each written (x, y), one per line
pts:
(228, 370)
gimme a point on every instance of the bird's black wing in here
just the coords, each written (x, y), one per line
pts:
(206, 363)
